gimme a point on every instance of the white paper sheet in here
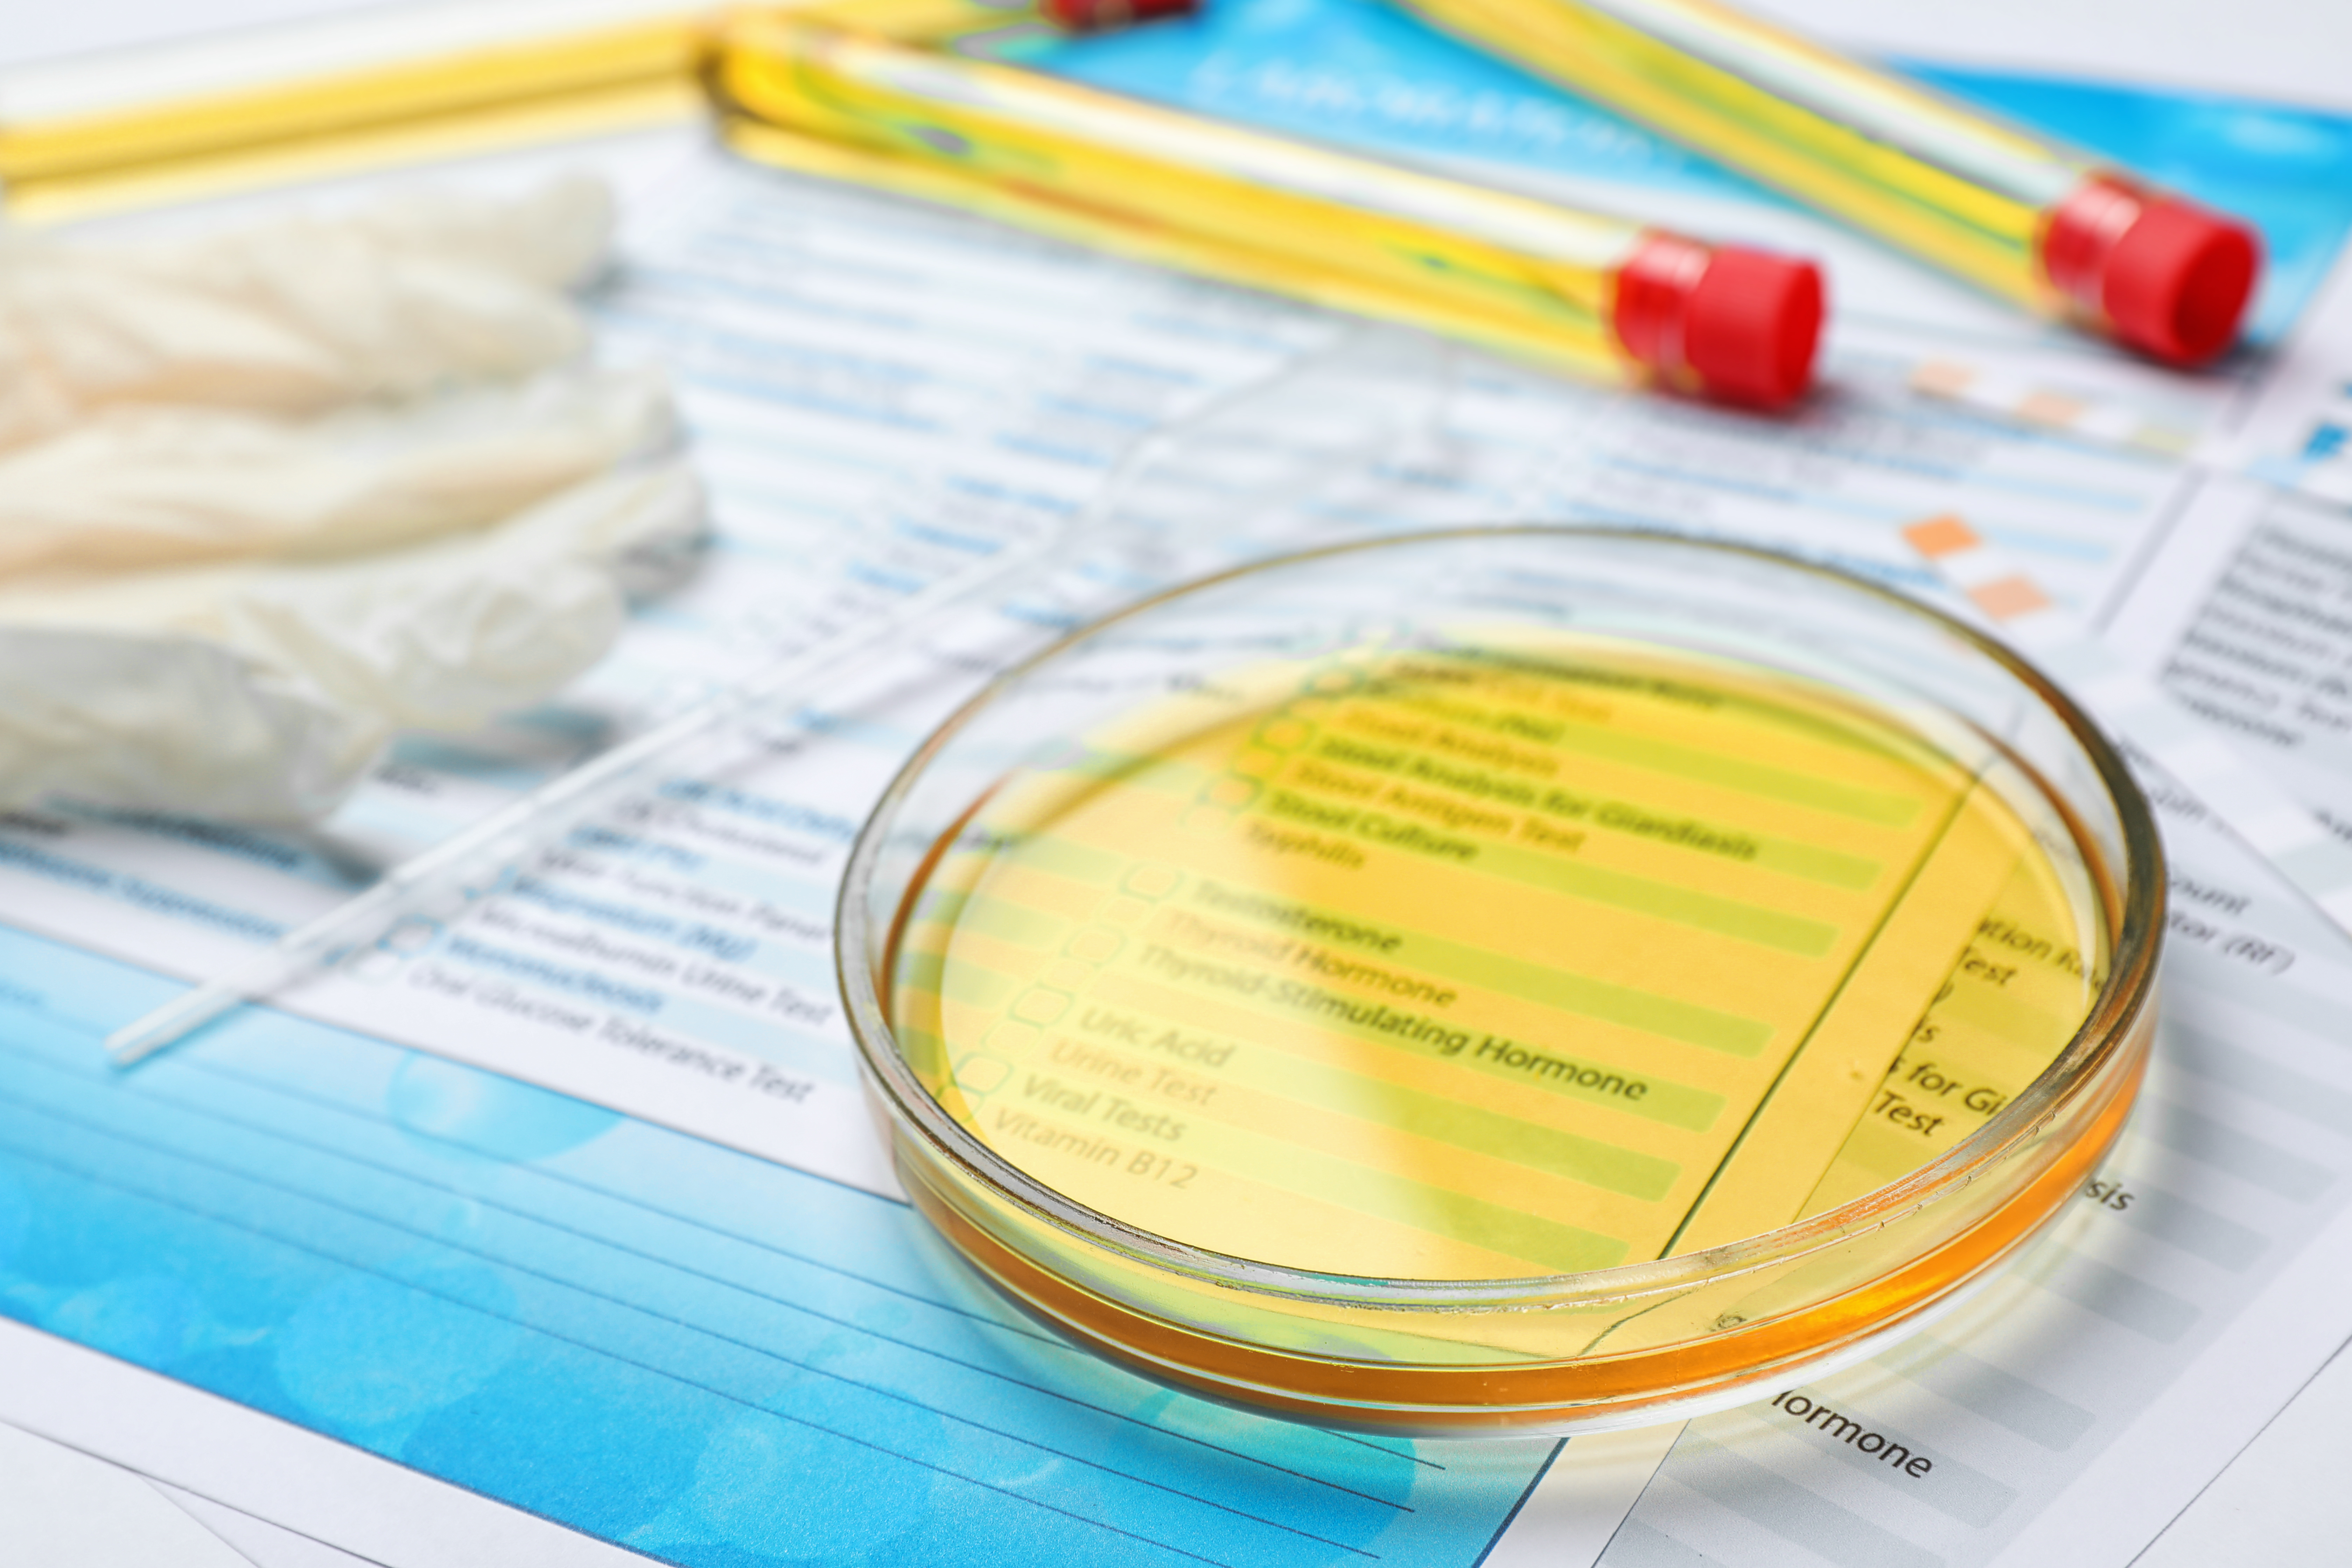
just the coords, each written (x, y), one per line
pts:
(62, 1506)
(2072, 1409)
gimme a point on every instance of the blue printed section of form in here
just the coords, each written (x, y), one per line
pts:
(709, 1358)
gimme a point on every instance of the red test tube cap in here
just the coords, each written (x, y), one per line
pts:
(1740, 324)
(1110, 16)
(2168, 276)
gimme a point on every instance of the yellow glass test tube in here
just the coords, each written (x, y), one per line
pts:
(2052, 229)
(586, 74)
(502, 75)
(1603, 295)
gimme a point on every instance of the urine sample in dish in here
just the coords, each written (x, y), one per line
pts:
(1487, 954)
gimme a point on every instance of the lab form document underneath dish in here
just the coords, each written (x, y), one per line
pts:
(652, 1338)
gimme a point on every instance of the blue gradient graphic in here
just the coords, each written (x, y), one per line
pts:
(697, 1354)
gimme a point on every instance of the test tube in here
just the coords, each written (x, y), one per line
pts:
(2052, 229)
(588, 66)
(1603, 295)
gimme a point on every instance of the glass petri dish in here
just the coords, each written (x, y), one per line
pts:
(1504, 980)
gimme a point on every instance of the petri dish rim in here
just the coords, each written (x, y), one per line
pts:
(2108, 1028)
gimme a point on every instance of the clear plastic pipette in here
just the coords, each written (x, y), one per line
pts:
(473, 861)
(476, 861)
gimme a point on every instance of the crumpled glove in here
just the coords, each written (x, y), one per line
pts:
(269, 496)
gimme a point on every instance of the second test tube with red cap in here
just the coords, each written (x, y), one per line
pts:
(1600, 295)
(2049, 228)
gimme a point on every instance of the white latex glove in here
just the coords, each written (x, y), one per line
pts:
(299, 315)
(274, 495)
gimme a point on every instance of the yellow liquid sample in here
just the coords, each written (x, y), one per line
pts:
(1511, 960)
(1964, 190)
(1525, 277)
